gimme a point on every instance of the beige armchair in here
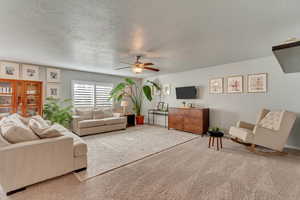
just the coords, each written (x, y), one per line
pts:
(271, 130)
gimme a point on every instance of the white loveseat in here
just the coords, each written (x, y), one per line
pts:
(27, 163)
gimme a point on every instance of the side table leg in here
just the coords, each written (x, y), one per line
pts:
(221, 142)
(217, 144)
(153, 118)
(213, 142)
(209, 142)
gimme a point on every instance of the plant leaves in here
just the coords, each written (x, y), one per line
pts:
(154, 84)
(120, 97)
(129, 81)
(119, 88)
(58, 111)
(147, 92)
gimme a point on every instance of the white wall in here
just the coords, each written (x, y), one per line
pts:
(226, 109)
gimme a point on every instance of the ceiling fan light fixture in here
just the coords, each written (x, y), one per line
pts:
(137, 70)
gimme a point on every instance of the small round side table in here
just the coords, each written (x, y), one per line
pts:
(218, 136)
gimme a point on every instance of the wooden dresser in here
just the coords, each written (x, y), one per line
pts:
(194, 120)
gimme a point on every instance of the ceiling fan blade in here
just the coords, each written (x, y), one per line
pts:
(148, 64)
(122, 68)
(152, 69)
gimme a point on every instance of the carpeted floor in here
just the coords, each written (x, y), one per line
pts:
(114, 149)
(189, 171)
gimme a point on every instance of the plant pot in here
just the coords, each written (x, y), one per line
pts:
(139, 120)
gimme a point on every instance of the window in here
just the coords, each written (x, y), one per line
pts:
(91, 94)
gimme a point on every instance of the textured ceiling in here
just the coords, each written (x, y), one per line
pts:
(95, 35)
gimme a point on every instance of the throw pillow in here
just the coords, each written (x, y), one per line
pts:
(84, 113)
(24, 120)
(101, 113)
(40, 120)
(15, 132)
(42, 129)
(272, 120)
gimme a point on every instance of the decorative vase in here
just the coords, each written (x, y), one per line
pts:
(139, 120)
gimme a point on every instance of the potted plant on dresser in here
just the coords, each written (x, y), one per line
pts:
(136, 93)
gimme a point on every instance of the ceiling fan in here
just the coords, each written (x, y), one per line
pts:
(138, 66)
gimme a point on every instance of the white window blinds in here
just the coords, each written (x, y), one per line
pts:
(91, 94)
(102, 95)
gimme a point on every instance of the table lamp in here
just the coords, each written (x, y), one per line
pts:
(124, 104)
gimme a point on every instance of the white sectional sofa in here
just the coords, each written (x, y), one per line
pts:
(26, 163)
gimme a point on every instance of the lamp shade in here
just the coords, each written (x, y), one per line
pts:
(124, 103)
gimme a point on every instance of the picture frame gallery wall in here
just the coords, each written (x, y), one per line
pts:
(254, 83)
(22, 71)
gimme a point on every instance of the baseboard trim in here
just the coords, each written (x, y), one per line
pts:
(15, 191)
(292, 147)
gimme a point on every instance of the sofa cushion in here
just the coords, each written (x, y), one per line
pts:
(84, 112)
(80, 147)
(114, 120)
(272, 120)
(42, 129)
(91, 123)
(101, 113)
(14, 131)
(244, 134)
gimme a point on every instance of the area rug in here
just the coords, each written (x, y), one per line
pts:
(113, 150)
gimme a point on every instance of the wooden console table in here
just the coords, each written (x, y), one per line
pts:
(194, 120)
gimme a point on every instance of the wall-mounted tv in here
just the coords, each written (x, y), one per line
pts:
(186, 92)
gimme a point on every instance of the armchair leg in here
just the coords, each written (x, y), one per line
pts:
(252, 148)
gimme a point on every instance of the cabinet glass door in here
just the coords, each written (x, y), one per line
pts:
(6, 97)
(32, 98)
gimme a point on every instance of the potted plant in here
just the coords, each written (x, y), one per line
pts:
(214, 130)
(58, 111)
(136, 93)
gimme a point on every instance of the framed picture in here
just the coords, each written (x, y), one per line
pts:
(257, 83)
(166, 89)
(9, 70)
(53, 75)
(216, 86)
(235, 84)
(53, 90)
(30, 72)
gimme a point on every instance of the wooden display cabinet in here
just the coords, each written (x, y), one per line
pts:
(20, 96)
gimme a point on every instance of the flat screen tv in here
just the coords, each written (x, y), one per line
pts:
(186, 92)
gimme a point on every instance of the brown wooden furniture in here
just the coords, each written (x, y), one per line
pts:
(194, 120)
(20, 96)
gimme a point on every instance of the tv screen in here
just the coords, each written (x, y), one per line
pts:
(186, 92)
